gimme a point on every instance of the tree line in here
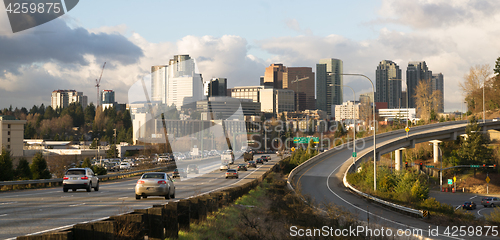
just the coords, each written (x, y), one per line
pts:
(24, 171)
(74, 123)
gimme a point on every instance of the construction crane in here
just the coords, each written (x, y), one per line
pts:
(98, 84)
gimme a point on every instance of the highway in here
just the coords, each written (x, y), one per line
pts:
(322, 181)
(30, 211)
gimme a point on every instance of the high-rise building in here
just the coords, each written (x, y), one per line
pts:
(277, 100)
(329, 84)
(437, 83)
(250, 92)
(304, 88)
(388, 83)
(274, 75)
(108, 97)
(416, 72)
(177, 83)
(63, 98)
(347, 110)
(216, 87)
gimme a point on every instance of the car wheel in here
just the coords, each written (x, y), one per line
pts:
(65, 190)
(492, 205)
(96, 187)
(74, 189)
(138, 197)
(144, 196)
(226, 177)
(89, 187)
(173, 195)
(236, 177)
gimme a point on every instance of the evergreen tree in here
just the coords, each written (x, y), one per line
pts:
(474, 149)
(39, 167)
(23, 171)
(6, 169)
(86, 163)
(112, 152)
(497, 66)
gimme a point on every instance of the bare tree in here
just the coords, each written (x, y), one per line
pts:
(426, 99)
(473, 82)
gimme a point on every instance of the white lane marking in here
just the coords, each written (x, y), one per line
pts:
(354, 206)
(473, 197)
(3, 215)
(130, 188)
(457, 207)
(27, 194)
(480, 213)
(122, 197)
(74, 205)
(7, 203)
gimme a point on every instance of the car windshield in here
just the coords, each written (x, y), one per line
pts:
(76, 172)
(157, 176)
(231, 170)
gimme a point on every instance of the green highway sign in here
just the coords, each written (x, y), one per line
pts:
(354, 154)
(305, 139)
(475, 166)
(429, 166)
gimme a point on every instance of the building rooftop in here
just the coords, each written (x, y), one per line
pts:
(7, 117)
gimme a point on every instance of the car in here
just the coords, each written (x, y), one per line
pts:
(224, 167)
(259, 160)
(155, 184)
(265, 158)
(80, 178)
(125, 166)
(490, 201)
(242, 167)
(179, 172)
(251, 164)
(231, 173)
(193, 168)
(495, 120)
(268, 157)
(469, 205)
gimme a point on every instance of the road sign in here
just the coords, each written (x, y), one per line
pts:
(354, 154)
(407, 129)
(488, 179)
(450, 181)
(293, 149)
(454, 179)
(475, 166)
(429, 166)
(305, 139)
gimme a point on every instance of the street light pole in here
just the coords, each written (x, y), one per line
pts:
(374, 126)
(353, 118)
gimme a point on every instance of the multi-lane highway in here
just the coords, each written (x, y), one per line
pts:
(30, 211)
(322, 181)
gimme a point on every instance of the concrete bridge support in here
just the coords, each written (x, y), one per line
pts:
(435, 152)
(399, 158)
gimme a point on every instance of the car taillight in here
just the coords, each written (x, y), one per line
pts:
(487, 201)
(140, 182)
(85, 178)
(162, 182)
(65, 178)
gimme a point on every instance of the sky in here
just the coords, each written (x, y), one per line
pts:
(239, 39)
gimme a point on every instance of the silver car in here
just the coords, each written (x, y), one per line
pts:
(155, 184)
(80, 178)
(490, 201)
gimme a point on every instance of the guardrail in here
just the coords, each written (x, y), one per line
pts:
(6, 185)
(326, 154)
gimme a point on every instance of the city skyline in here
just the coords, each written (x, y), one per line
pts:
(68, 53)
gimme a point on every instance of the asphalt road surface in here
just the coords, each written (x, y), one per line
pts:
(30, 211)
(322, 181)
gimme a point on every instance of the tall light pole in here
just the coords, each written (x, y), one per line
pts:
(353, 118)
(374, 126)
(297, 80)
(484, 113)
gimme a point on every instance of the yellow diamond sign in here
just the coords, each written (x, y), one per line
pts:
(488, 179)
